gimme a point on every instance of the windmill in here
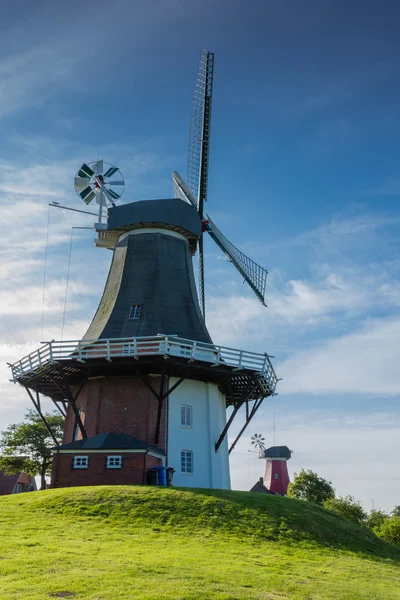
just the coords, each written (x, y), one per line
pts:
(258, 441)
(146, 387)
(195, 190)
(97, 180)
(276, 478)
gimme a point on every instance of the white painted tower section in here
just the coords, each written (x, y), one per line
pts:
(207, 407)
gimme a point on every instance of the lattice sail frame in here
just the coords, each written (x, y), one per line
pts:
(253, 273)
(195, 191)
(200, 128)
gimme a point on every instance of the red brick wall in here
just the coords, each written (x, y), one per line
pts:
(133, 471)
(120, 405)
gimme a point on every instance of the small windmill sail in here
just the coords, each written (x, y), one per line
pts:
(258, 440)
(97, 180)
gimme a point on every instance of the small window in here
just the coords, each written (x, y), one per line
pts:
(114, 462)
(186, 415)
(134, 313)
(81, 462)
(276, 476)
(186, 462)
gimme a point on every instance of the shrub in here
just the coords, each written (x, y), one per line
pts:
(349, 508)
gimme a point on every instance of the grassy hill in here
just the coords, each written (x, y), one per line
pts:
(110, 543)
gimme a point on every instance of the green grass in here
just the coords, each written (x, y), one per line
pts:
(106, 543)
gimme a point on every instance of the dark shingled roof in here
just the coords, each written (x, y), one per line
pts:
(260, 488)
(278, 452)
(110, 441)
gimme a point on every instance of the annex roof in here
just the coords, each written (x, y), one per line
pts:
(110, 441)
(260, 488)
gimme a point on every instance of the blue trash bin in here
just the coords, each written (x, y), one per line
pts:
(162, 475)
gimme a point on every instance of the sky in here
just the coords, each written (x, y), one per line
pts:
(304, 178)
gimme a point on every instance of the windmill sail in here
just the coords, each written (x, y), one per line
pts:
(200, 125)
(199, 148)
(254, 274)
(181, 190)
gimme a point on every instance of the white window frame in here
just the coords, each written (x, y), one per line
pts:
(114, 461)
(186, 416)
(186, 468)
(135, 312)
(81, 462)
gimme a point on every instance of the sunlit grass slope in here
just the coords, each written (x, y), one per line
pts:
(106, 543)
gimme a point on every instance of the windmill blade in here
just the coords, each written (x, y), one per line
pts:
(80, 183)
(254, 274)
(109, 194)
(98, 167)
(113, 194)
(110, 172)
(85, 171)
(114, 182)
(181, 190)
(200, 126)
(87, 195)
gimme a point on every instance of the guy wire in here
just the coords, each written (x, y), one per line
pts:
(45, 269)
(68, 272)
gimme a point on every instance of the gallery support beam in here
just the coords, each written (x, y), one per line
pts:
(67, 393)
(249, 415)
(36, 404)
(238, 405)
(160, 396)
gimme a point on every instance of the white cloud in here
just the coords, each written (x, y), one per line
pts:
(364, 362)
(28, 299)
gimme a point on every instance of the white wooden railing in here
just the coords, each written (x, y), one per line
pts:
(165, 345)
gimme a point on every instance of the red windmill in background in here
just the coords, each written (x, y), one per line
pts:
(276, 478)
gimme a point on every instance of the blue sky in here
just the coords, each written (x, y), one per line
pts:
(304, 178)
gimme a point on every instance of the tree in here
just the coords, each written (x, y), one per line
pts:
(396, 511)
(390, 530)
(307, 485)
(28, 446)
(376, 519)
(349, 508)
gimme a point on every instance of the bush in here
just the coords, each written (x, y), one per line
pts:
(349, 508)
